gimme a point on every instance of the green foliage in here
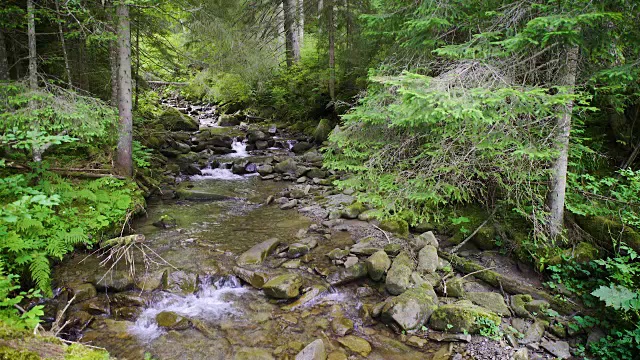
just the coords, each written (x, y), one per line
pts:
(218, 87)
(612, 286)
(416, 146)
(31, 120)
(489, 328)
(141, 155)
(45, 217)
(10, 296)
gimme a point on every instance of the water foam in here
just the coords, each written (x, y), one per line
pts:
(216, 174)
(240, 149)
(207, 304)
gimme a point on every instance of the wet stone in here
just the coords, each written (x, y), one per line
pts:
(258, 253)
(289, 204)
(338, 254)
(314, 351)
(428, 259)
(342, 326)
(296, 250)
(172, 321)
(416, 341)
(411, 309)
(377, 265)
(285, 286)
(559, 349)
(356, 344)
(346, 275)
(392, 249)
(82, 292)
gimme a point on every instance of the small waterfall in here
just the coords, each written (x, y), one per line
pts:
(211, 302)
(240, 149)
(221, 173)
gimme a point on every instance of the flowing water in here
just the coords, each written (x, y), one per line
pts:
(230, 320)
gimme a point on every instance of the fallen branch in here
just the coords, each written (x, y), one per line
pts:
(88, 173)
(457, 247)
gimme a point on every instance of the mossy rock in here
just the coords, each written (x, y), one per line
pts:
(174, 120)
(582, 253)
(352, 211)
(603, 230)
(172, 321)
(322, 131)
(396, 226)
(475, 216)
(460, 317)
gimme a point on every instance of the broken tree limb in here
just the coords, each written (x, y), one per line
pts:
(123, 240)
(455, 249)
(511, 286)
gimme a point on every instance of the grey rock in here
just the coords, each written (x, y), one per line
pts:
(428, 259)
(559, 349)
(411, 309)
(399, 275)
(346, 275)
(314, 351)
(378, 264)
(534, 333)
(265, 169)
(338, 254)
(490, 300)
(284, 286)
(289, 204)
(258, 252)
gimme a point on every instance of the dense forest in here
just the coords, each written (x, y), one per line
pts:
(504, 127)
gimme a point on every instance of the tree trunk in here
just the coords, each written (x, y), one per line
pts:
(113, 61)
(64, 47)
(137, 77)
(31, 34)
(124, 160)
(282, 38)
(4, 62)
(300, 24)
(290, 31)
(556, 195)
(332, 50)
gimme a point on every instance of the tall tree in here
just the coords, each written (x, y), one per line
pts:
(65, 55)
(557, 189)
(332, 49)
(292, 40)
(31, 34)
(124, 160)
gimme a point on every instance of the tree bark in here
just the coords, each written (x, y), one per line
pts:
(137, 77)
(332, 50)
(4, 62)
(64, 47)
(557, 191)
(31, 34)
(300, 24)
(113, 61)
(124, 160)
(290, 31)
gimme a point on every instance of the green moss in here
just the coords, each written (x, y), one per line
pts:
(460, 317)
(321, 132)
(603, 230)
(8, 353)
(174, 120)
(80, 352)
(396, 226)
(352, 211)
(518, 303)
(582, 253)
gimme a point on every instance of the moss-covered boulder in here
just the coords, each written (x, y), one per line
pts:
(322, 131)
(356, 344)
(352, 211)
(258, 252)
(603, 229)
(583, 252)
(253, 275)
(411, 309)
(491, 301)
(174, 120)
(348, 274)
(172, 321)
(286, 286)
(396, 226)
(399, 275)
(288, 166)
(460, 317)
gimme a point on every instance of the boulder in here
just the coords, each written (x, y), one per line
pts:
(426, 238)
(338, 254)
(288, 166)
(286, 286)
(174, 120)
(261, 145)
(314, 351)
(411, 309)
(313, 157)
(428, 259)
(315, 173)
(228, 120)
(346, 275)
(559, 349)
(256, 135)
(254, 276)
(301, 147)
(311, 294)
(461, 316)
(289, 204)
(378, 264)
(352, 211)
(297, 249)
(365, 247)
(322, 131)
(265, 169)
(341, 326)
(83, 292)
(396, 226)
(534, 333)
(258, 252)
(392, 249)
(356, 344)
(172, 321)
(399, 275)
(491, 301)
